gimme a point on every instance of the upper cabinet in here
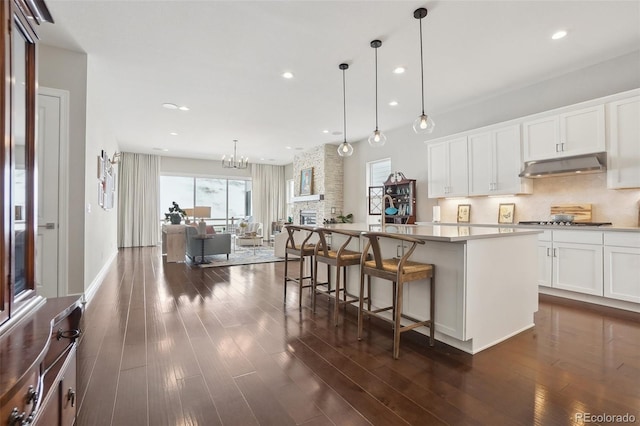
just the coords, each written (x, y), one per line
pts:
(448, 173)
(495, 162)
(562, 135)
(623, 119)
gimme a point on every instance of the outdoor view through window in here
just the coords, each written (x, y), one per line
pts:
(228, 198)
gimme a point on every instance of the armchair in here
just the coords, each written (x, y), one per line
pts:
(221, 244)
(252, 235)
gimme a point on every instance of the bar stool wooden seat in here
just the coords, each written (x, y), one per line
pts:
(298, 244)
(341, 259)
(398, 271)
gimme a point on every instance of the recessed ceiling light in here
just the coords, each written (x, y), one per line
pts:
(399, 70)
(161, 149)
(559, 34)
(325, 131)
(287, 75)
(173, 134)
(184, 108)
(393, 103)
(168, 105)
(262, 159)
(287, 147)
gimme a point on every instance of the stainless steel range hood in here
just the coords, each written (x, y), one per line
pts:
(590, 163)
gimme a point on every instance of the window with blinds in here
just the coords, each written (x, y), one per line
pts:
(377, 172)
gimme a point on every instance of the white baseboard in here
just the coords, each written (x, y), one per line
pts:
(97, 281)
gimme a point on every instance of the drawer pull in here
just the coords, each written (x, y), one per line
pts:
(71, 396)
(68, 334)
(16, 418)
(32, 396)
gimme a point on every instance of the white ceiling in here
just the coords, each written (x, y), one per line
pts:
(224, 60)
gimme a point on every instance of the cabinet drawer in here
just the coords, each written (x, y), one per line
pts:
(622, 239)
(578, 237)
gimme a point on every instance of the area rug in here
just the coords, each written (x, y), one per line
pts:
(242, 256)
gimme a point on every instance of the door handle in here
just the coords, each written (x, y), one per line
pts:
(48, 225)
(548, 252)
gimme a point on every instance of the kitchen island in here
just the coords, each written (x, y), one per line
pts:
(486, 280)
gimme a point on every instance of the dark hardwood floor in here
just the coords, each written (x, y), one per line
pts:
(165, 344)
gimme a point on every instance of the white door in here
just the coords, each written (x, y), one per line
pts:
(50, 262)
(458, 169)
(481, 177)
(437, 172)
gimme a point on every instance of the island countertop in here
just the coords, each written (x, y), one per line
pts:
(445, 233)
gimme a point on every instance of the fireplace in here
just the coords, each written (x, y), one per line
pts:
(308, 217)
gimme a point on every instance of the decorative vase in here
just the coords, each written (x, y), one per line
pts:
(175, 219)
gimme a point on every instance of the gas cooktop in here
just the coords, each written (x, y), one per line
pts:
(552, 223)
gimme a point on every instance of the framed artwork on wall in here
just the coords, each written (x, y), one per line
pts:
(464, 213)
(506, 213)
(306, 181)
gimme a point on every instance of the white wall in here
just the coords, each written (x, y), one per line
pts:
(408, 151)
(192, 167)
(67, 70)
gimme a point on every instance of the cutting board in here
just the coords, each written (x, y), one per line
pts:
(581, 212)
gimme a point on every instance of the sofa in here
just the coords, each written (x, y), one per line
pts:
(221, 244)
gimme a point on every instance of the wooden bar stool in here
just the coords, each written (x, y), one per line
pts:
(340, 258)
(398, 271)
(298, 245)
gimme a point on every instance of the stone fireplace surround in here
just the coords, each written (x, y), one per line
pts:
(328, 173)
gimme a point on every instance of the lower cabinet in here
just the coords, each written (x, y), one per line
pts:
(571, 260)
(622, 266)
(59, 408)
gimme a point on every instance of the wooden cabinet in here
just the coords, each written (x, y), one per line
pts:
(447, 168)
(403, 193)
(623, 119)
(495, 162)
(621, 266)
(174, 239)
(566, 134)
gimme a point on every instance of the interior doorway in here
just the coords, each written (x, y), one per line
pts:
(52, 184)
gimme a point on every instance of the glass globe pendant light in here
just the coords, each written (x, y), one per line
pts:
(345, 149)
(377, 138)
(423, 124)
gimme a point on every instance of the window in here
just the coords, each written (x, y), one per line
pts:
(229, 199)
(377, 173)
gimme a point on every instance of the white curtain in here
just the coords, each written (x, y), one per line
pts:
(268, 194)
(138, 200)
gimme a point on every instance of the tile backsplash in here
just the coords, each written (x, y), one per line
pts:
(619, 206)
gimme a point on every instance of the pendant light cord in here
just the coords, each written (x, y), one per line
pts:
(421, 67)
(344, 107)
(376, 50)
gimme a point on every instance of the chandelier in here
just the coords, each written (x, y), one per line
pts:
(233, 162)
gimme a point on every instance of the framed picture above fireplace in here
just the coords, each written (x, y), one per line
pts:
(306, 181)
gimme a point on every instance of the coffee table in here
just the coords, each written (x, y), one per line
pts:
(253, 240)
(202, 238)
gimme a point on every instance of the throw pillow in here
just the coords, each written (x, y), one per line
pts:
(211, 229)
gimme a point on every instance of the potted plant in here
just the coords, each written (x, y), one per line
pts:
(346, 219)
(175, 214)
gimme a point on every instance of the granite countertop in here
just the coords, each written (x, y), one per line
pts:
(436, 232)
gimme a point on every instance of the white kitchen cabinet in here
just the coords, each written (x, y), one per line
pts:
(622, 266)
(623, 124)
(562, 135)
(447, 172)
(571, 260)
(495, 161)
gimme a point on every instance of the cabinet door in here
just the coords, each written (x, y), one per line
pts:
(458, 169)
(621, 279)
(438, 170)
(507, 162)
(582, 131)
(481, 158)
(578, 267)
(541, 138)
(624, 144)
(545, 273)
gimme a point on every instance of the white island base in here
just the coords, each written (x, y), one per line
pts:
(486, 282)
